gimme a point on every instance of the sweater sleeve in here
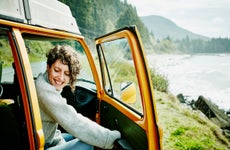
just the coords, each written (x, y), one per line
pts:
(76, 124)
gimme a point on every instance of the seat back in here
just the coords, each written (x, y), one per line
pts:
(9, 129)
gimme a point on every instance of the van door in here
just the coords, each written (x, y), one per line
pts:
(127, 100)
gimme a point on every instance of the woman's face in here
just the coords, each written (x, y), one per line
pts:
(58, 74)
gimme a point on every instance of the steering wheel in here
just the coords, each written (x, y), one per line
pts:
(1, 90)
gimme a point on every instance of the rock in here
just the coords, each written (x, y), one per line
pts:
(213, 112)
(226, 133)
(184, 100)
(181, 98)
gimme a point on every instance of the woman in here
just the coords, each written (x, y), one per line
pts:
(63, 66)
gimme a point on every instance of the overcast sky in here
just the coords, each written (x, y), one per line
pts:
(210, 18)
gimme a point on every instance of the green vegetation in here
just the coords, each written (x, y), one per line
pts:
(99, 17)
(96, 18)
(159, 81)
(126, 73)
(187, 129)
(5, 53)
(187, 45)
(183, 129)
(38, 49)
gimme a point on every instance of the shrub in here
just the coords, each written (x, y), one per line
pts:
(160, 82)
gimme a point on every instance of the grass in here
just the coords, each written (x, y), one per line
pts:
(186, 129)
(183, 128)
(159, 81)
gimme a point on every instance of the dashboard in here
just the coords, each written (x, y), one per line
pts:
(83, 99)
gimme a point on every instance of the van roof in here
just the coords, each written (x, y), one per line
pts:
(45, 13)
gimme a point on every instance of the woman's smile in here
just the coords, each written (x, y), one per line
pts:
(58, 74)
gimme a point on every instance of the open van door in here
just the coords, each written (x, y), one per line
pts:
(127, 100)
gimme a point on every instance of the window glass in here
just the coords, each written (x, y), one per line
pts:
(11, 93)
(120, 80)
(6, 59)
(37, 50)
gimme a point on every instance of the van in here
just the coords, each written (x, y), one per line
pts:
(114, 87)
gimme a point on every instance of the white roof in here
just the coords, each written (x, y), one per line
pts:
(46, 13)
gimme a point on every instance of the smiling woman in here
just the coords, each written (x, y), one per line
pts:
(59, 74)
(63, 66)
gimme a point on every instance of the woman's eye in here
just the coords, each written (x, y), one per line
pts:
(67, 74)
(56, 70)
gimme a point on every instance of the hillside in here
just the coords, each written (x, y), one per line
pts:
(184, 128)
(187, 129)
(162, 28)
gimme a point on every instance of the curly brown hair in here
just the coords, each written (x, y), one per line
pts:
(69, 57)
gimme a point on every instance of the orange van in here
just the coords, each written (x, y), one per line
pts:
(114, 87)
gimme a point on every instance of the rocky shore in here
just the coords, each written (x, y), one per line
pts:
(217, 116)
(184, 126)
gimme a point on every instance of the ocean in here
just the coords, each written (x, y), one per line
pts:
(195, 75)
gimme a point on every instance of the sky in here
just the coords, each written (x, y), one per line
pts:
(210, 18)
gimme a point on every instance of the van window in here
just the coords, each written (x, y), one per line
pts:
(6, 59)
(12, 116)
(119, 73)
(37, 50)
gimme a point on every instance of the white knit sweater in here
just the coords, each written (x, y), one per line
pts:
(54, 110)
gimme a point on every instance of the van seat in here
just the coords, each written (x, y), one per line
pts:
(9, 127)
(7, 101)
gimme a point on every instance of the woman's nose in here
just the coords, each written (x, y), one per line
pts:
(61, 76)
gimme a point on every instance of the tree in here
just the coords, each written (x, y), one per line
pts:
(130, 17)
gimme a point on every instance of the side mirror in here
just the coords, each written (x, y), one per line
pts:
(128, 92)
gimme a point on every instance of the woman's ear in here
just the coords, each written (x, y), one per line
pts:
(47, 67)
